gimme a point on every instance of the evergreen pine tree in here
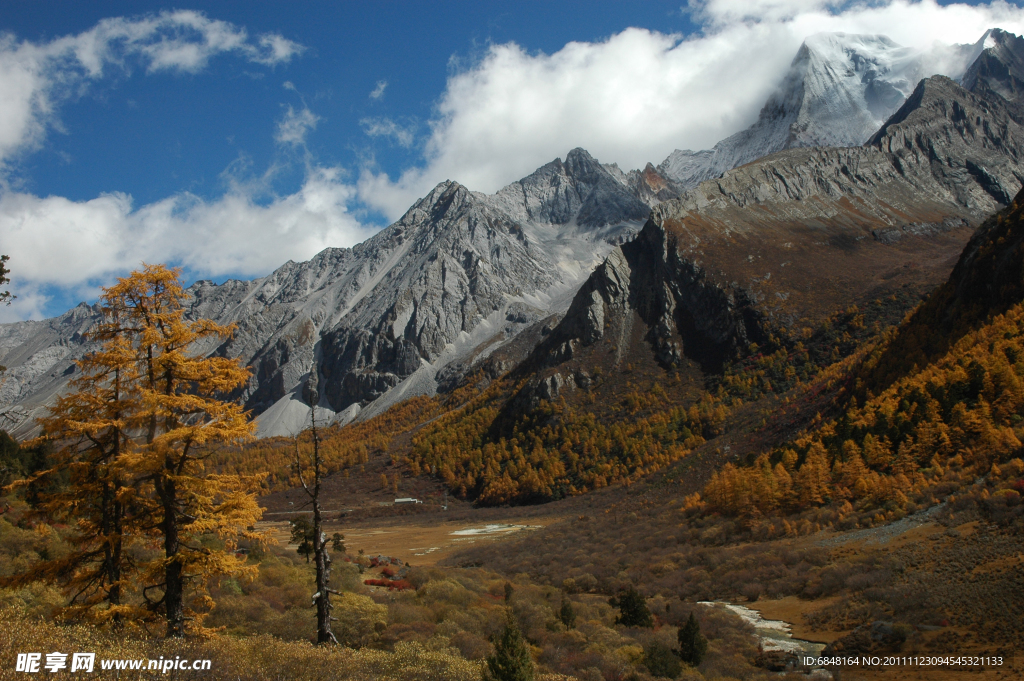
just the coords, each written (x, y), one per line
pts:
(567, 614)
(692, 644)
(633, 610)
(302, 534)
(5, 296)
(511, 660)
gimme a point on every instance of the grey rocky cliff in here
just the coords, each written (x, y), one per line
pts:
(999, 69)
(838, 90)
(580, 190)
(39, 359)
(969, 145)
(463, 260)
(671, 294)
(792, 236)
(458, 270)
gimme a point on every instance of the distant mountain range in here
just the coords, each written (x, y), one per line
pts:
(775, 226)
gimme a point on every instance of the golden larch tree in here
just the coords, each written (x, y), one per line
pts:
(183, 413)
(86, 484)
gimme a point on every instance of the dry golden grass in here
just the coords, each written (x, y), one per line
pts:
(254, 658)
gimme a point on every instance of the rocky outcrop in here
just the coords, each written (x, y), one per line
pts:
(458, 271)
(790, 238)
(39, 356)
(999, 70)
(967, 144)
(580, 190)
(838, 91)
(674, 297)
(464, 260)
(605, 293)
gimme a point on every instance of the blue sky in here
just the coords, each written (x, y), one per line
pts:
(229, 137)
(153, 136)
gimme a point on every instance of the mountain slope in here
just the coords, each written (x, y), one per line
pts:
(987, 281)
(999, 69)
(785, 240)
(752, 282)
(839, 89)
(460, 269)
(462, 274)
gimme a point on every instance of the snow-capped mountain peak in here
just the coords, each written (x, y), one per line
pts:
(839, 89)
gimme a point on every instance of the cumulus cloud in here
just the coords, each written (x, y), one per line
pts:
(36, 76)
(378, 91)
(77, 245)
(636, 96)
(385, 127)
(629, 99)
(295, 125)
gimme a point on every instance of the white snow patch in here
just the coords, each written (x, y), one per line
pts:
(839, 90)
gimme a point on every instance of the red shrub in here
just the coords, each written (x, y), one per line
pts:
(400, 584)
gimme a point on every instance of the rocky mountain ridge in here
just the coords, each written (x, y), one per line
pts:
(463, 273)
(777, 245)
(458, 270)
(839, 89)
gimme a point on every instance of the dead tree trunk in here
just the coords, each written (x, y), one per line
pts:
(322, 559)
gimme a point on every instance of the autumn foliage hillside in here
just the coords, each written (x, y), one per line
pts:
(987, 281)
(949, 410)
(342, 448)
(558, 449)
(927, 435)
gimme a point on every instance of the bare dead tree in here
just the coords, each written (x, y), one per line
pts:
(12, 416)
(322, 559)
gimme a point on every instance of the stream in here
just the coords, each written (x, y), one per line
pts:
(774, 635)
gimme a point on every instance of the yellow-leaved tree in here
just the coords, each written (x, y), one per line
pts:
(151, 525)
(182, 413)
(87, 486)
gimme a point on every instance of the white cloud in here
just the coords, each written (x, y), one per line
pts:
(35, 77)
(30, 303)
(378, 91)
(76, 245)
(638, 95)
(295, 125)
(722, 12)
(630, 99)
(385, 127)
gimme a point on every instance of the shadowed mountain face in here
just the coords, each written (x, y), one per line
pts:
(766, 247)
(777, 245)
(999, 69)
(987, 281)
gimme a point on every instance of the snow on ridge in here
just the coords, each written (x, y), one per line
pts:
(840, 88)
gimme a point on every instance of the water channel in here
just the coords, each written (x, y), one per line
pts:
(774, 635)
